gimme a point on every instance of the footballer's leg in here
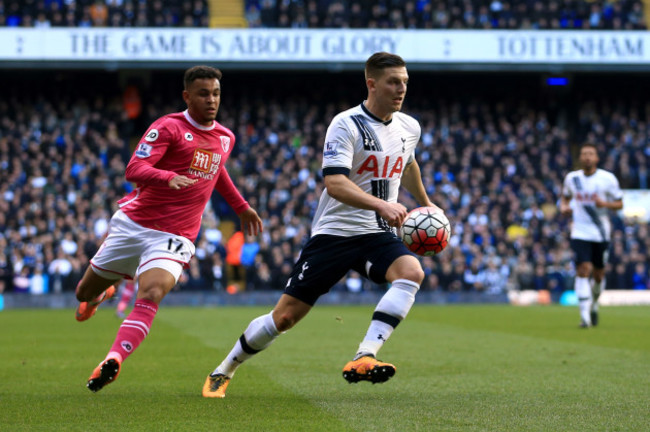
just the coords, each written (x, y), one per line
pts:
(584, 256)
(91, 291)
(582, 288)
(597, 288)
(312, 275)
(600, 253)
(259, 335)
(406, 275)
(154, 284)
(126, 295)
(583, 292)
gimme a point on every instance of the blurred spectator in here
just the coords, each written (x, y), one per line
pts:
(353, 282)
(234, 247)
(38, 282)
(540, 278)
(253, 16)
(258, 277)
(472, 279)
(195, 280)
(59, 270)
(618, 278)
(493, 279)
(249, 251)
(98, 13)
(6, 272)
(21, 281)
(639, 277)
(218, 274)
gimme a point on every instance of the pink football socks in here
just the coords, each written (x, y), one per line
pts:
(133, 329)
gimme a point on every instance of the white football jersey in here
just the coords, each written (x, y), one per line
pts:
(591, 223)
(373, 154)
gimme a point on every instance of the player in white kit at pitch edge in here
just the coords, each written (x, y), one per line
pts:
(588, 195)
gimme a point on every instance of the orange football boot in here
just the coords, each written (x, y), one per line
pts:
(85, 310)
(368, 368)
(215, 386)
(105, 373)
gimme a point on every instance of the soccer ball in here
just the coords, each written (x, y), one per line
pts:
(425, 231)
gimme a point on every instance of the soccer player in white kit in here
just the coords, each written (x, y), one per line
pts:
(588, 194)
(177, 164)
(368, 153)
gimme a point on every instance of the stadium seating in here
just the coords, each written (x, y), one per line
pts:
(494, 163)
(414, 14)
(449, 14)
(105, 13)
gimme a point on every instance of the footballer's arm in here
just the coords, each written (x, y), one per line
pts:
(611, 205)
(142, 170)
(565, 205)
(412, 181)
(341, 188)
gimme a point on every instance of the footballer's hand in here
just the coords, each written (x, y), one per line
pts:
(180, 182)
(435, 207)
(565, 209)
(393, 213)
(600, 203)
(251, 223)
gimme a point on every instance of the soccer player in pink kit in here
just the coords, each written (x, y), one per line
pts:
(126, 295)
(179, 161)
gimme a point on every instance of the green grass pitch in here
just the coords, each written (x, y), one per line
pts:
(459, 368)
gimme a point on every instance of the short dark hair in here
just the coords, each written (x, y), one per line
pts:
(593, 146)
(200, 72)
(379, 61)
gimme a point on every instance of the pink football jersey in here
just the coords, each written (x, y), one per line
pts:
(177, 145)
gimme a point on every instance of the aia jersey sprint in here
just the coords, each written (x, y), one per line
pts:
(373, 154)
(591, 223)
(177, 145)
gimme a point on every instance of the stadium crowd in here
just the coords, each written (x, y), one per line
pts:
(496, 166)
(103, 13)
(448, 14)
(411, 14)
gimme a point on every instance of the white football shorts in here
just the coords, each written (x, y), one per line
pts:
(130, 249)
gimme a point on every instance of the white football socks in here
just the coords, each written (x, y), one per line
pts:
(390, 311)
(259, 334)
(583, 291)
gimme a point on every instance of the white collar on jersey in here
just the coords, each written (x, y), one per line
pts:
(196, 125)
